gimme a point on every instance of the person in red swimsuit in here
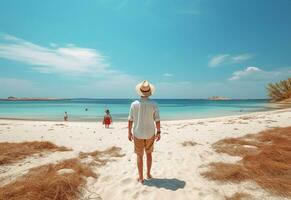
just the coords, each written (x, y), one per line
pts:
(107, 120)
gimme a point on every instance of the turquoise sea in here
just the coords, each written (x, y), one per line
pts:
(170, 109)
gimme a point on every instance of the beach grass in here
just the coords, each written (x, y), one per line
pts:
(46, 183)
(62, 181)
(238, 196)
(266, 159)
(101, 157)
(11, 152)
(112, 151)
(189, 143)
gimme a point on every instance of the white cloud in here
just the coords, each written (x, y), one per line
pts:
(248, 71)
(167, 75)
(218, 59)
(228, 59)
(241, 57)
(98, 78)
(68, 59)
(257, 74)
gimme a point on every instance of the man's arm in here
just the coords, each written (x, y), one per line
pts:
(158, 126)
(130, 122)
(130, 136)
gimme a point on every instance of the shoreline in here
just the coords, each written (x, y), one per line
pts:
(274, 110)
(121, 115)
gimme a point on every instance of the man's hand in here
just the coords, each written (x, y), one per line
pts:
(158, 137)
(130, 136)
(158, 126)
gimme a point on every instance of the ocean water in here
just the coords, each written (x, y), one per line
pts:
(170, 109)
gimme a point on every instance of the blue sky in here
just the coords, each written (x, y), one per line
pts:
(103, 48)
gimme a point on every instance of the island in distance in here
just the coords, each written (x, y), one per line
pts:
(11, 98)
(218, 98)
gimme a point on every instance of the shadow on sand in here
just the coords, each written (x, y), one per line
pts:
(169, 184)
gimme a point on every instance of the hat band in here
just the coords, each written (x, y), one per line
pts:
(145, 90)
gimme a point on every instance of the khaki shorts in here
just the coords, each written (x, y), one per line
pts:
(141, 145)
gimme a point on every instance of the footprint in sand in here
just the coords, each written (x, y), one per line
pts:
(205, 154)
(211, 195)
(106, 178)
(126, 181)
(144, 192)
(135, 196)
(125, 191)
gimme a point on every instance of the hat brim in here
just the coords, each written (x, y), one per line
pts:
(145, 94)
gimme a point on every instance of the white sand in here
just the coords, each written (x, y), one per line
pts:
(176, 168)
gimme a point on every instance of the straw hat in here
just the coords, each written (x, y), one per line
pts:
(145, 89)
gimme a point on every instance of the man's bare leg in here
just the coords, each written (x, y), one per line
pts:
(140, 167)
(149, 165)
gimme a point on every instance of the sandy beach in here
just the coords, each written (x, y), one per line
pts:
(180, 156)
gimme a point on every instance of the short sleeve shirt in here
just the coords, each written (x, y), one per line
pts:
(144, 113)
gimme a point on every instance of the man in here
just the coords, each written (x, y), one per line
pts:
(144, 116)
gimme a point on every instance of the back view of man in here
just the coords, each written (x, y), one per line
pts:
(144, 116)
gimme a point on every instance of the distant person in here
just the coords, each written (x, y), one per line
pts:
(144, 116)
(66, 117)
(107, 120)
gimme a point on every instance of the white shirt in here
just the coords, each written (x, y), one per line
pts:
(144, 113)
